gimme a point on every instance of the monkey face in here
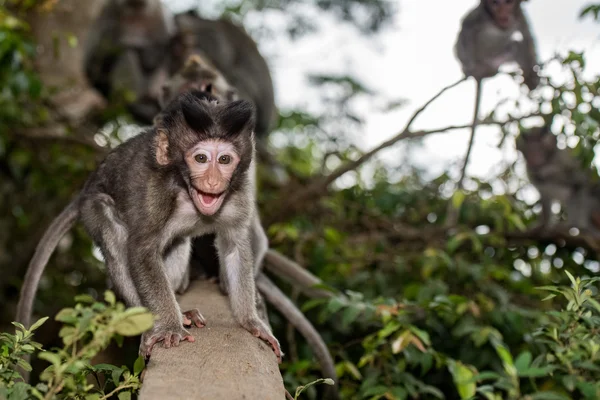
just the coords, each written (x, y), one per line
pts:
(211, 144)
(537, 146)
(211, 164)
(502, 11)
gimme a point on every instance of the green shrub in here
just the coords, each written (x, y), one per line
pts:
(87, 329)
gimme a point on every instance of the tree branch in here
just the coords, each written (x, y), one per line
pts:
(225, 361)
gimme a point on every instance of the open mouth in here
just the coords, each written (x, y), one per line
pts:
(504, 22)
(206, 203)
(209, 199)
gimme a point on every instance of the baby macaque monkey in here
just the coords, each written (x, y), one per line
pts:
(559, 176)
(188, 176)
(486, 41)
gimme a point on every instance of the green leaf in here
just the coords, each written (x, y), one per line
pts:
(110, 297)
(571, 278)
(124, 396)
(68, 315)
(84, 298)
(52, 358)
(463, 379)
(548, 396)
(535, 372)
(116, 375)
(335, 304)
(38, 323)
(139, 366)
(350, 315)
(523, 361)
(135, 324)
(458, 198)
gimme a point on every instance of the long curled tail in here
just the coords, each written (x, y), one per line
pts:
(285, 306)
(43, 251)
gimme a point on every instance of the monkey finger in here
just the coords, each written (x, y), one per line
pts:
(168, 340)
(268, 337)
(195, 317)
(146, 346)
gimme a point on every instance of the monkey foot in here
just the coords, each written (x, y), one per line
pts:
(193, 316)
(260, 330)
(169, 338)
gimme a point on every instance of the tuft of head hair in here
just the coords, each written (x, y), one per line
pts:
(196, 109)
(236, 117)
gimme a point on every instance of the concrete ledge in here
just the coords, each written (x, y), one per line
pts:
(225, 361)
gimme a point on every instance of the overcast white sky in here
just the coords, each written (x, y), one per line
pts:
(413, 60)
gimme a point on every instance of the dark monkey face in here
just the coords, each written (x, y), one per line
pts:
(502, 11)
(537, 146)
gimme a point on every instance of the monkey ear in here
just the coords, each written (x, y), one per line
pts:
(162, 148)
(195, 113)
(237, 117)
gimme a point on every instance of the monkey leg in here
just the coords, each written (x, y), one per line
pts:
(101, 220)
(177, 260)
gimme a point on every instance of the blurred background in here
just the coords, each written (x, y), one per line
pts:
(422, 309)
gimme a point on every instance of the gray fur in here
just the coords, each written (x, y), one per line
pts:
(141, 216)
(559, 176)
(121, 55)
(482, 47)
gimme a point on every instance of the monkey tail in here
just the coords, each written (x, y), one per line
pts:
(61, 225)
(285, 306)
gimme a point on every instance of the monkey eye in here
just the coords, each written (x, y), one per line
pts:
(225, 159)
(201, 158)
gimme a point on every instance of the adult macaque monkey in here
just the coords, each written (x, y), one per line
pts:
(188, 176)
(485, 42)
(197, 74)
(125, 50)
(230, 50)
(559, 176)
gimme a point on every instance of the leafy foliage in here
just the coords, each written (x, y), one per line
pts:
(423, 312)
(87, 329)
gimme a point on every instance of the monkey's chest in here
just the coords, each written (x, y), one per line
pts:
(494, 42)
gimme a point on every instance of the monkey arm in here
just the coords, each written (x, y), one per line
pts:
(466, 44)
(151, 281)
(527, 56)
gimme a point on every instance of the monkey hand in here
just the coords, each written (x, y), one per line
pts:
(193, 317)
(169, 334)
(260, 330)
